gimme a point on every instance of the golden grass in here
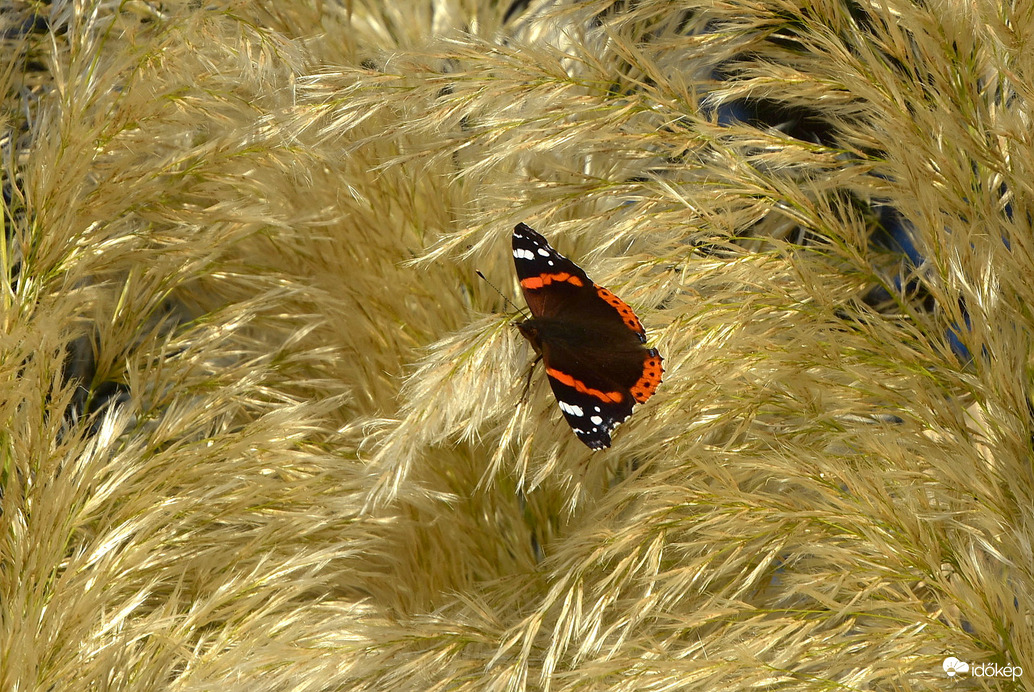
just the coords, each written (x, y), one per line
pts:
(261, 223)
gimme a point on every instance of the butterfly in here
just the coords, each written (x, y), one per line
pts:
(592, 344)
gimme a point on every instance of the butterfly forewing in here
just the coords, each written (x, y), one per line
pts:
(548, 279)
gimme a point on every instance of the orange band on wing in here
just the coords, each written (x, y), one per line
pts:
(627, 316)
(580, 386)
(651, 378)
(533, 282)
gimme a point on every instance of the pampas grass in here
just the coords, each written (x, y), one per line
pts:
(263, 426)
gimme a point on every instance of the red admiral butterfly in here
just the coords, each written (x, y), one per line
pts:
(590, 341)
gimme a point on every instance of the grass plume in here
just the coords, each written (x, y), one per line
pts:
(261, 425)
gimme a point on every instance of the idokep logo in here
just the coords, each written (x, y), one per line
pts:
(953, 667)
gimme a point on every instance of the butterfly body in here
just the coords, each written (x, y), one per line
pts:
(591, 342)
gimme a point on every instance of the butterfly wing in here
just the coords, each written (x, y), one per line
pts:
(548, 279)
(596, 387)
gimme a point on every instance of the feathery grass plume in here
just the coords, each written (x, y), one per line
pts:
(262, 425)
(141, 186)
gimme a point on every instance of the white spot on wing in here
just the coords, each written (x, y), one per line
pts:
(521, 253)
(571, 409)
(596, 420)
(543, 251)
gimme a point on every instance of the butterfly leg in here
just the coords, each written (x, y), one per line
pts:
(527, 383)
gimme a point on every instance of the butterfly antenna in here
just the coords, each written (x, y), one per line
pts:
(510, 302)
